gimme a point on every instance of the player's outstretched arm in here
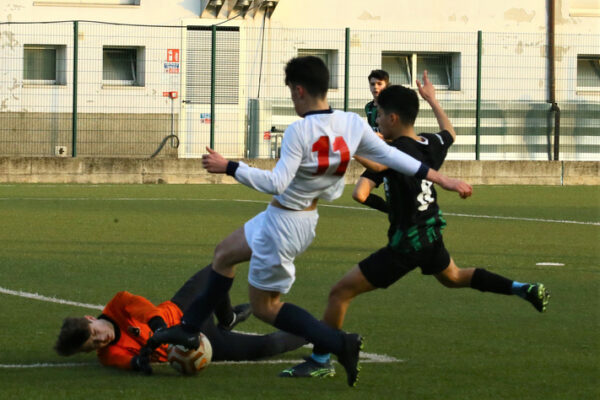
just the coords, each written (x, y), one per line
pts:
(271, 182)
(455, 185)
(427, 92)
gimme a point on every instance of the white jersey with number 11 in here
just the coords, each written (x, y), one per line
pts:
(315, 152)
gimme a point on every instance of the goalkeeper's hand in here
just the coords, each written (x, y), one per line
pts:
(141, 362)
(152, 344)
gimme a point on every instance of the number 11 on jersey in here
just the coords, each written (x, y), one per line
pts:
(321, 146)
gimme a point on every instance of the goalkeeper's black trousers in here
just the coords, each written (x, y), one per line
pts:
(233, 346)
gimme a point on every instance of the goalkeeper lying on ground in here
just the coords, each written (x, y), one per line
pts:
(127, 322)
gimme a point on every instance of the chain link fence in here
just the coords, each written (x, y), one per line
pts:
(90, 89)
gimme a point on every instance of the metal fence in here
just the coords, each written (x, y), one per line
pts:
(82, 88)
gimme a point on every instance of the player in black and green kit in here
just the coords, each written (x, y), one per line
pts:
(416, 223)
(378, 80)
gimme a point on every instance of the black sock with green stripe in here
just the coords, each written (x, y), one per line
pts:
(486, 281)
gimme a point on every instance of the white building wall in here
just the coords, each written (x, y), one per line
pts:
(437, 15)
(93, 95)
(514, 40)
(425, 15)
(14, 96)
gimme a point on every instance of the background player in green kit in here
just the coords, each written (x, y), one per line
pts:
(416, 223)
(378, 80)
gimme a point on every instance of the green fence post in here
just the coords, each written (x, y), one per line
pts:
(347, 70)
(74, 111)
(478, 99)
(213, 50)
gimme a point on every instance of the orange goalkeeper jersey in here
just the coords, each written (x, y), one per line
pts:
(130, 314)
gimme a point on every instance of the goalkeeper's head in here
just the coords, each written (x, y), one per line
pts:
(83, 334)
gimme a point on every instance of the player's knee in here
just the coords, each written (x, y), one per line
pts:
(265, 312)
(451, 280)
(340, 294)
(259, 314)
(449, 283)
(447, 279)
(221, 257)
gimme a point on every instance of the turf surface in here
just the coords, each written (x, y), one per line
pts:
(84, 243)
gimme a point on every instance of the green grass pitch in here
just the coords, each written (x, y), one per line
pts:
(84, 243)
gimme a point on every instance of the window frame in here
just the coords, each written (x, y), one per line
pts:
(88, 3)
(136, 65)
(59, 65)
(411, 60)
(227, 69)
(332, 62)
(587, 57)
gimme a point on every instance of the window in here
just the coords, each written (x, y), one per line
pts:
(122, 66)
(584, 8)
(227, 66)
(87, 2)
(588, 72)
(44, 64)
(406, 68)
(330, 58)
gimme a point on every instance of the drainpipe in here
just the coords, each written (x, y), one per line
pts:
(552, 78)
(347, 70)
(213, 58)
(478, 97)
(75, 84)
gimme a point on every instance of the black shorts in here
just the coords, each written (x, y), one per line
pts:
(386, 266)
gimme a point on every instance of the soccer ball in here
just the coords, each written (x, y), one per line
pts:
(190, 362)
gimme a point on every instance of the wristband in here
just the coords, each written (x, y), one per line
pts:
(232, 166)
(422, 172)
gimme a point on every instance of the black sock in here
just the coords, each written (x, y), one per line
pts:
(217, 287)
(190, 289)
(486, 281)
(224, 311)
(319, 351)
(298, 321)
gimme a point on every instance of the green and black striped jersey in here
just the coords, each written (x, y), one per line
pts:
(371, 112)
(415, 218)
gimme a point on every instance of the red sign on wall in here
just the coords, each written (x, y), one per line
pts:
(172, 55)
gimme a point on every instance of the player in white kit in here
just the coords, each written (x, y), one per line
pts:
(315, 153)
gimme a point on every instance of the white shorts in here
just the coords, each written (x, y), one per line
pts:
(276, 237)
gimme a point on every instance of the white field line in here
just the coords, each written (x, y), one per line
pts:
(365, 357)
(36, 296)
(45, 365)
(558, 221)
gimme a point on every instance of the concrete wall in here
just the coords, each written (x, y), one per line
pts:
(23, 134)
(134, 171)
